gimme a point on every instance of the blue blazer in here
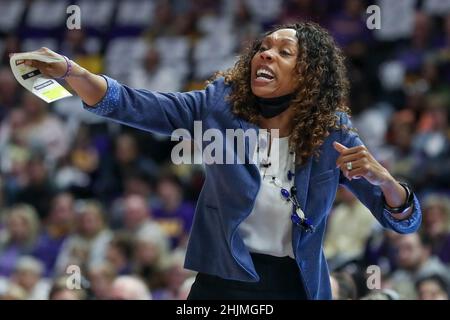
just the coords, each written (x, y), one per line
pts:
(229, 191)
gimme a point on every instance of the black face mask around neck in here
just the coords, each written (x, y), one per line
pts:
(271, 107)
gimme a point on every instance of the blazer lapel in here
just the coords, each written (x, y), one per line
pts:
(302, 174)
(302, 182)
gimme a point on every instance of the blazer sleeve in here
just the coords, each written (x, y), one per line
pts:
(156, 111)
(370, 195)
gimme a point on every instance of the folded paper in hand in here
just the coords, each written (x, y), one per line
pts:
(33, 80)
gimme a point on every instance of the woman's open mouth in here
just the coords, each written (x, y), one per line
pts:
(264, 75)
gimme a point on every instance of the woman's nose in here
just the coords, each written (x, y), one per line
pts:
(267, 55)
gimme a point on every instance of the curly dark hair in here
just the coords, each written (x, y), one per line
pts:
(321, 81)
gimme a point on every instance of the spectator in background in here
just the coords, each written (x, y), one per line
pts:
(9, 92)
(433, 144)
(151, 244)
(36, 185)
(264, 12)
(162, 25)
(92, 236)
(245, 29)
(76, 171)
(127, 161)
(2, 200)
(13, 292)
(12, 43)
(138, 219)
(60, 291)
(14, 152)
(120, 252)
(412, 55)
(183, 293)
(435, 227)
(18, 237)
(381, 250)
(58, 226)
(138, 184)
(151, 74)
(128, 156)
(349, 226)
(434, 119)
(343, 286)
(174, 214)
(101, 277)
(304, 10)
(436, 72)
(401, 158)
(28, 274)
(349, 29)
(446, 37)
(135, 183)
(174, 276)
(150, 255)
(44, 131)
(433, 287)
(443, 57)
(414, 261)
(130, 288)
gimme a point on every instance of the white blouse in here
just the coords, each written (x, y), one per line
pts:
(268, 228)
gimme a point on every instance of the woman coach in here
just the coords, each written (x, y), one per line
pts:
(258, 230)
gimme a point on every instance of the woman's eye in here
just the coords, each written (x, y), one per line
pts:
(261, 49)
(285, 53)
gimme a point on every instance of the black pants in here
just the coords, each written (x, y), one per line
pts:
(279, 280)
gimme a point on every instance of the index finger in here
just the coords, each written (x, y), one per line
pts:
(352, 150)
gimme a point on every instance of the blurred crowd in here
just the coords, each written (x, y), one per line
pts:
(76, 190)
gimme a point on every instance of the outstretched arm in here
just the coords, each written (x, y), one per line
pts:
(143, 109)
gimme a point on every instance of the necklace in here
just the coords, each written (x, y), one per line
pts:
(288, 193)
